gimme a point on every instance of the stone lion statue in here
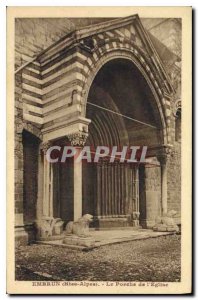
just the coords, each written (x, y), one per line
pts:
(166, 222)
(80, 227)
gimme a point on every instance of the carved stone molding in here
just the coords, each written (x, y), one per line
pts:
(88, 44)
(78, 139)
(164, 154)
(45, 146)
(177, 107)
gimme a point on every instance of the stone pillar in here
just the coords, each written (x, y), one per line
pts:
(47, 207)
(126, 183)
(112, 189)
(103, 184)
(150, 192)
(77, 188)
(77, 140)
(163, 167)
(39, 207)
(136, 212)
(99, 190)
(118, 189)
(21, 236)
(109, 192)
(162, 158)
(106, 198)
(48, 227)
(115, 167)
(164, 187)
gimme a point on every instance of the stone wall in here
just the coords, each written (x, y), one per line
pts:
(24, 232)
(18, 175)
(174, 168)
(167, 31)
(35, 35)
(18, 151)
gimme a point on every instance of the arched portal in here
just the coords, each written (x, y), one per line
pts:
(146, 77)
(123, 112)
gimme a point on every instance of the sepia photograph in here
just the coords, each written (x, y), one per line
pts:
(97, 134)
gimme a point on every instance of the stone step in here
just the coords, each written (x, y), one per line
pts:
(116, 228)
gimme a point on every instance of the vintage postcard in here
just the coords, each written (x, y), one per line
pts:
(99, 144)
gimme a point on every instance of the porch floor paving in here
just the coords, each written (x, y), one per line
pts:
(117, 236)
(105, 237)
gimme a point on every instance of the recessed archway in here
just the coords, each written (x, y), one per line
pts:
(123, 112)
(120, 87)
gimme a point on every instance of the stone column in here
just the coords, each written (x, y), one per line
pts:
(136, 212)
(77, 140)
(103, 184)
(109, 205)
(48, 226)
(162, 157)
(163, 167)
(47, 183)
(116, 188)
(164, 186)
(21, 236)
(99, 188)
(112, 189)
(39, 206)
(106, 198)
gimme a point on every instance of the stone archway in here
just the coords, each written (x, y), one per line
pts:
(119, 87)
(68, 73)
(128, 51)
(99, 191)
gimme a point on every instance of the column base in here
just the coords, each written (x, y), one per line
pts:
(147, 224)
(111, 222)
(49, 228)
(21, 236)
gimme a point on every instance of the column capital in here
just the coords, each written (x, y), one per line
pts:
(45, 146)
(78, 138)
(163, 154)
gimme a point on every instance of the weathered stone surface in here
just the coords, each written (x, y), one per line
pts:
(166, 223)
(21, 237)
(80, 227)
(77, 233)
(112, 222)
(49, 227)
(31, 31)
(174, 181)
(79, 241)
